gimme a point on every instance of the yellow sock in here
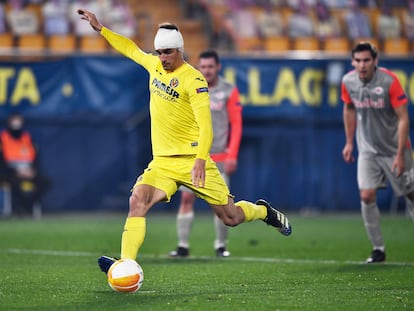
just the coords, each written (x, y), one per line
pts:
(132, 237)
(252, 211)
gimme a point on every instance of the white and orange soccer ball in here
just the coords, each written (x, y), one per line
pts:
(125, 275)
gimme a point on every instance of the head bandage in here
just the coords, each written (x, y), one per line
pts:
(168, 39)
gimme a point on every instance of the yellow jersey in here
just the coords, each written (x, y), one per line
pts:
(181, 121)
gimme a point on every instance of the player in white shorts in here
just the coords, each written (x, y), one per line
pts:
(226, 113)
(376, 111)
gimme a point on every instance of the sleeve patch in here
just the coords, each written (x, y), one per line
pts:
(202, 90)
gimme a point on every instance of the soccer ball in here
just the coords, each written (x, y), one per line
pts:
(125, 275)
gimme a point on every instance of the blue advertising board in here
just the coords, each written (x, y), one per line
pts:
(89, 116)
(73, 87)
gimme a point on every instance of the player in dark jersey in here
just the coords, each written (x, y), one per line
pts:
(226, 113)
(376, 111)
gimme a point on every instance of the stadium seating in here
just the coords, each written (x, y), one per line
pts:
(336, 45)
(305, 43)
(249, 44)
(197, 36)
(62, 43)
(6, 40)
(194, 40)
(277, 44)
(93, 44)
(161, 10)
(372, 14)
(340, 45)
(32, 42)
(396, 47)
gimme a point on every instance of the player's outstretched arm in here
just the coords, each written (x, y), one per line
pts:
(91, 18)
(120, 43)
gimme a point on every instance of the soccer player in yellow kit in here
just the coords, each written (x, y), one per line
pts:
(181, 131)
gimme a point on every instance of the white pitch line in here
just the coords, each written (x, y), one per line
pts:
(233, 258)
(290, 260)
(47, 252)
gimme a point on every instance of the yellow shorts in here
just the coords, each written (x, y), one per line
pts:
(168, 173)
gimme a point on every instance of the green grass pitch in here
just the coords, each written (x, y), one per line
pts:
(50, 265)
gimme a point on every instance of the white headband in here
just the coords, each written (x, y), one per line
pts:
(168, 39)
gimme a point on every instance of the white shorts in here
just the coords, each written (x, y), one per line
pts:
(375, 170)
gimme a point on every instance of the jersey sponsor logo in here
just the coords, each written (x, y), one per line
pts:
(217, 106)
(369, 103)
(199, 79)
(220, 95)
(166, 89)
(194, 144)
(202, 90)
(217, 100)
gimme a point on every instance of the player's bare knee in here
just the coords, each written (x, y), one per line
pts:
(138, 200)
(368, 196)
(367, 199)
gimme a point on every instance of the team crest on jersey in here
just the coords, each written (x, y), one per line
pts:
(378, 90)
(174, 82)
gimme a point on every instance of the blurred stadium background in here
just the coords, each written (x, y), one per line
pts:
(87, 107)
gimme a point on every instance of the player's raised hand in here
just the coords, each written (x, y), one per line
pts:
(91, 18)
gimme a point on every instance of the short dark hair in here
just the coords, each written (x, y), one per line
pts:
(210, 54)
(365, 46)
